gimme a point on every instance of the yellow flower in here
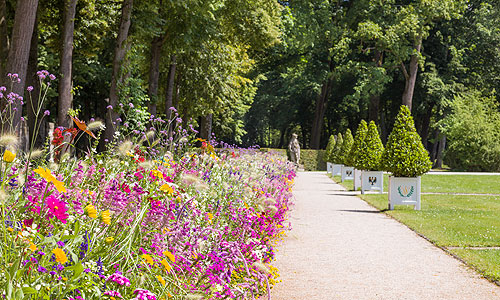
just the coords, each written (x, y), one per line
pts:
(167, 188)
(161, 280)
(90, 211)
(106, 218)
(10, 229)
(109, 240)
(157, 174)
(60, 255)
(166, 265)
(148, 259)
(47, 175)
(8, 156)
(210, 216)
(32, 247)
(169, 255)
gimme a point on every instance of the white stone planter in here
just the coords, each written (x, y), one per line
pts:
(372, 181)
(404, 191)
(329, 167)
(336, 169)
(347, 173)
(357, 179)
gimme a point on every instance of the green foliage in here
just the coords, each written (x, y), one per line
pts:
(329, 148)
(346, 147)
(473, 133)
(313, 160)
(359, 137)
(371, 150)
(337, 150)
(404, 155)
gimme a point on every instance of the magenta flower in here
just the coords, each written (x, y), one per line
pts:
(57, 208)
(143, 294)
(113, 294)
(119, 279)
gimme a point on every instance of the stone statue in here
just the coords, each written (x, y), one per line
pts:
(294, 148)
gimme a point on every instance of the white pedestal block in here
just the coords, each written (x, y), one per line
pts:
(372, 181)
(336, 170)
(404, 191)
(347, 173)
(357, 179)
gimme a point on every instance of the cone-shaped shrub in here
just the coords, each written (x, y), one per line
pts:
(359, 137)
(371, 150)
(337, 150)
(329, 149)
(346, 147)
(404, 154)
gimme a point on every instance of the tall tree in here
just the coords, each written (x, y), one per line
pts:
(4, 38)
(17, 60)
(65, 81)
(116, 77)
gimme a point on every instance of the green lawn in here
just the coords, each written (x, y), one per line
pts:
(462, 184)
(454, 220)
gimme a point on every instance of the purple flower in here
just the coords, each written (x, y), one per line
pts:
(173, 109)
(143, 294)
(29, 88)
(113, 294)
(60, 244)
(119, 279)
(109, 107)
(131, 105)
(46, 113)
(52, 77)
(42, 269)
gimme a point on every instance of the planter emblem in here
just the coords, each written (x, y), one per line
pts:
(405, 191)
(372, 180)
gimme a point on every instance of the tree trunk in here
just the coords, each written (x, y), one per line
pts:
(435, 145)
(65, 98)
(170, 87)
(206, 127)
(120, 51)
(4, 38)
(426, 122)
(375, 99)
(320, 114)
(17, 60)
(154, 73)
(411, 77)
(439, 158)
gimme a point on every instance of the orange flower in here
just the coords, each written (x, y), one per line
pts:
(169, 255)
(60, 255)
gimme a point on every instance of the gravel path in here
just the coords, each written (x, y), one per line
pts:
(341, 248)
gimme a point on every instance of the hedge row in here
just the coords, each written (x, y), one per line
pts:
(312, 160)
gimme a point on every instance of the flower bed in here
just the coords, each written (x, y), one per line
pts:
(197, 226)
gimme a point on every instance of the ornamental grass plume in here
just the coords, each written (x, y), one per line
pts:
(37, 153)
(125, 147)
(96, 125)
(7, 140)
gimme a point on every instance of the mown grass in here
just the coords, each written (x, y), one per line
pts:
(454, 220)
(460, 184)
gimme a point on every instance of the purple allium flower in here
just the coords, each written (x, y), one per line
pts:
(109, 107)
(29, 88)
(173, 109)
(46, 113)
(52, 77)
(131, 105)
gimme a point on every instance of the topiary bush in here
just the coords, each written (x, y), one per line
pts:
(335, 157)
(346, 147)
(359, 137)
(329, 148)
(404, 154)
(371, 150)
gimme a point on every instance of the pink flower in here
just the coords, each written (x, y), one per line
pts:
(119, 279)
(113, 294)
(57, 208)
(143, 294)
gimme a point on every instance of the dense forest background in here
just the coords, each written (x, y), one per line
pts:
(254, 71)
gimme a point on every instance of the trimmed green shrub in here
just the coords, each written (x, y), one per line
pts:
(404, 154)
(346, 147)
(335, 158)
(359, 137)
(329, 148)
(313, 160)
(371, 150)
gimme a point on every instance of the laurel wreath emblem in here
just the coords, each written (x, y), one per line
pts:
(408, 194)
